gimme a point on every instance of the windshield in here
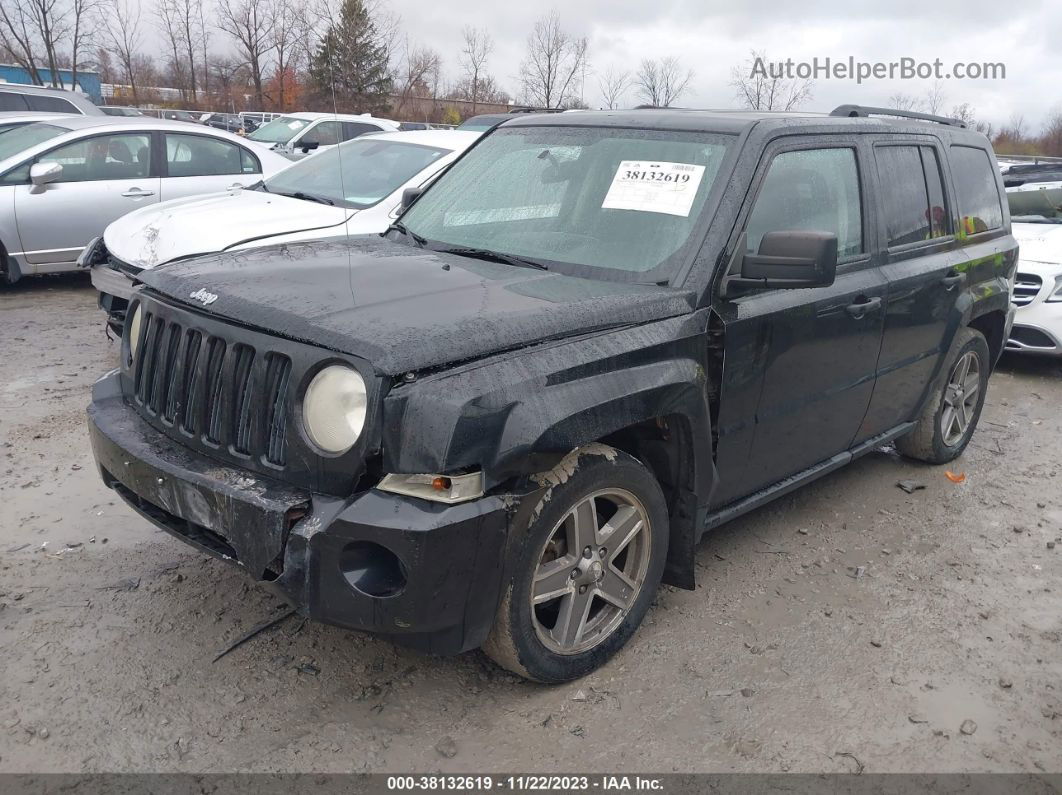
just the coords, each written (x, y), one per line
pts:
(358, 173)
(1042, 205)
(279, 131)
(587, 201)
(19, 138)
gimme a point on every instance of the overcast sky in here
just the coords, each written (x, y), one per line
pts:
(711, 36)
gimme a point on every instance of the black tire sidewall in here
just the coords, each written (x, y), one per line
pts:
(594, 473)
(942, 451)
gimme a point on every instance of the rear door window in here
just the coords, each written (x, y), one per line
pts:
(980, 209)
(814, 190)
(201, 156)
(912, 194)
(51, 104)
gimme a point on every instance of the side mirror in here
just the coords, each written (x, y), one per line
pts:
(43, 173)
(791, 259)
(306, 146)
(410, 195)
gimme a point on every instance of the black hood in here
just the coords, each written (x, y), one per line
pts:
(403, 308)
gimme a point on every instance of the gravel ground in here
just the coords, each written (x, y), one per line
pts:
(848, 626)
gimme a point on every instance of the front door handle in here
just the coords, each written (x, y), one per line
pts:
(862, 308)
(953, 279)
(136, 193)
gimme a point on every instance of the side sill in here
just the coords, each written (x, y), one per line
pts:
(735, 509)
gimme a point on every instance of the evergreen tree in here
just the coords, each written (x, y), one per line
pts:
(353, 59)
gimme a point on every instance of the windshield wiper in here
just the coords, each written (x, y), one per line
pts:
(398, 226)
(494, 256)
(310, 198)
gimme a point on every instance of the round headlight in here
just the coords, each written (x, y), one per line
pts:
(333, 410)
(134, 332)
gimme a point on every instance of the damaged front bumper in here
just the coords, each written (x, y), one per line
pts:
(425, 574)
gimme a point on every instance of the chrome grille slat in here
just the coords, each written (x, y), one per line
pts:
(1026, 287)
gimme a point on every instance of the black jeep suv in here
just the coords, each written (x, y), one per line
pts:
(596, 337)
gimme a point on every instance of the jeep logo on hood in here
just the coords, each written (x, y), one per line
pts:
(203, 297)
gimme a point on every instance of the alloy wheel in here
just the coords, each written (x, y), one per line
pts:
(590, 571)
(960, 398)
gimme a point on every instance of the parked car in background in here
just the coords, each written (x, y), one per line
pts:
(121, 110)
(229, 122)
(590, 342)
(1036, 213)
(65, 179)
(20, 98)
(295, 135)
(190, 116)
(352, 189)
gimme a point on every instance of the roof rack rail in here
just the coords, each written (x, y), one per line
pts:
(863, 111)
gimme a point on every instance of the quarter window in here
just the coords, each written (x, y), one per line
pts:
(913, 194)
(11, 101)
(813, 190)
(976, 190)
(103, 157)
(201, 156)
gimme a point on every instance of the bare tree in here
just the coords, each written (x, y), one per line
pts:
(614, 83)
(250, 24)
(288, 33)
(477, 47)
(84, 14)
(18, 37)
(1051, 139)
(758, 85)
(182, 25)
(418, 74)
(122, 28)
(935, 98)
(554, 58)
(50, 20)
(168, 21)
(662, 82)
(904, 102)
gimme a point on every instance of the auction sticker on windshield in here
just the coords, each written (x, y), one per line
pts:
(654, 187)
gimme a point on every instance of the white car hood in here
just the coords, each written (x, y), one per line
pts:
(214, 222)
(1038, 242)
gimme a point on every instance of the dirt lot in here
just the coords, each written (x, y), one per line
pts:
(782, 660)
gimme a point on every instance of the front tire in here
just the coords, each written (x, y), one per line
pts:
(953, 408)
(587, 569)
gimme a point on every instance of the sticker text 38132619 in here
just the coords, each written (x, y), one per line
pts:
(654, 187)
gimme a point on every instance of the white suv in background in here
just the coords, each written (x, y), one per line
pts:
(1036, 214)
(296, 135)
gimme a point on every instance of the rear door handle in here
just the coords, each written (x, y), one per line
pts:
(136, 193)
(953, 279)
(864, 307)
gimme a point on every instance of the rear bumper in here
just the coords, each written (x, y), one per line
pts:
(439, 575)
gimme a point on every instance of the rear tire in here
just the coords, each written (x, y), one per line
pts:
(587, 569)
(954, 405)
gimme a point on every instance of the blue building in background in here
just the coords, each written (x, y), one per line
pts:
(88, 83)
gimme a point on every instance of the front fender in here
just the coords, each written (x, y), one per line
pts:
(517, 414)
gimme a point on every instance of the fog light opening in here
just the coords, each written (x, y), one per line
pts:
(372, 569)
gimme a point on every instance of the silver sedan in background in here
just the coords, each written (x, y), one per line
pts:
(62, 181)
